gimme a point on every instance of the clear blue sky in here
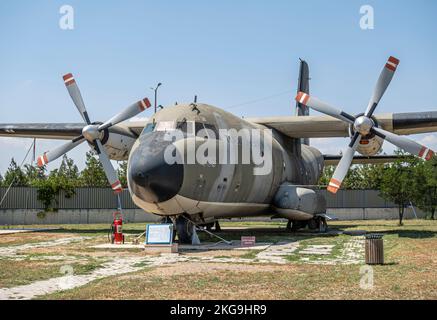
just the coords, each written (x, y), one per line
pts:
(226, 52)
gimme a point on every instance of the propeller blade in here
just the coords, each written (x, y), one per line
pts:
(344, 164)
(322, 107)
(59, 151)
(405, 144)
(75, 95)
(110, 172)
(382, 84)
(127, 113)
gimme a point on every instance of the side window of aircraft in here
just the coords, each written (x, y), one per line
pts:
(166, 126)
(149, 128)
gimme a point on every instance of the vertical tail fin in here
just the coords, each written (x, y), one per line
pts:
(303, 86)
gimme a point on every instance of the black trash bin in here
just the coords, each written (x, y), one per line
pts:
(374, 249)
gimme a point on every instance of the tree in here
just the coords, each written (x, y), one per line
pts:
(363, 176)
(68, 169)
(15, 175)
(426, 186)
(397, 183)
(327, 173)
(34, 173)
(370, 176)
(122, 173)
(66, 179)
(93, 174)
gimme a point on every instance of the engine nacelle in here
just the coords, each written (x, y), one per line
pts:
(369, 146)
(297, 203)
(118, 146)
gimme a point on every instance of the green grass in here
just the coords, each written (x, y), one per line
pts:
(15, 273)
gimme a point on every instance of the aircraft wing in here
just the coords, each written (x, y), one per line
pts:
(326, 126)
(62, 131)
(333, 160)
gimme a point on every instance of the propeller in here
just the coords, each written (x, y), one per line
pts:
(92, 133)
(364, 125)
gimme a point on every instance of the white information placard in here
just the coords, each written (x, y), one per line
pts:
(159, 234)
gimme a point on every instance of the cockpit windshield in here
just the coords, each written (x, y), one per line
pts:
(186, 127)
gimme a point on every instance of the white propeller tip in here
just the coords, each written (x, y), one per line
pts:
(116, 186)
(144, 104)
(392, 63)
(426, 154)
(333, 186)
(42, 161)
(68, 79)
(302, 97)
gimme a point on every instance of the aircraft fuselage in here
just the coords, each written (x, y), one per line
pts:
(222, 188)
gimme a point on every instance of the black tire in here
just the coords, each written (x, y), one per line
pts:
(289, 225)
(184, 230)
(313, 224)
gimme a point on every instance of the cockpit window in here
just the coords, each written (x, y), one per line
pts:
(192, 128)
(187, 127)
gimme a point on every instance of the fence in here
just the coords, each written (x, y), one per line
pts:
(103, 198)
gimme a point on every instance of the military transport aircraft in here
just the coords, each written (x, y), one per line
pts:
(201, 193)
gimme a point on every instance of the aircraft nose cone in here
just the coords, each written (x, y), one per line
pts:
(151, 178)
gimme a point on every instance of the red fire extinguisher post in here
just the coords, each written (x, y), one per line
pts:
(117, 228)
(116, 231)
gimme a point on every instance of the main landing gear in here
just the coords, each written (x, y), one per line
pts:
(315, 224)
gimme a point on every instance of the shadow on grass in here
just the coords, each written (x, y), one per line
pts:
(413, 234)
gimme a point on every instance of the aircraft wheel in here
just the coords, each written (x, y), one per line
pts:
(313, 224)
(184, 230)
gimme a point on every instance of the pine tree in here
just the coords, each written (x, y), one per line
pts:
(93, 175)
(122, 173)
(15, 175)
